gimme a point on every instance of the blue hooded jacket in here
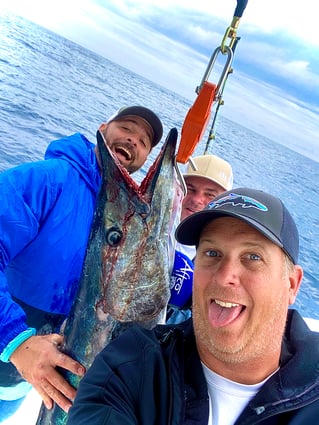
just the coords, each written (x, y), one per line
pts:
(46, 209)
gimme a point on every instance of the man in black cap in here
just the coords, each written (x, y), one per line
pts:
(140, 130)
(46, 210)
(244, 358)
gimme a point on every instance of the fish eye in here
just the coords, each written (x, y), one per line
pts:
(114, 236)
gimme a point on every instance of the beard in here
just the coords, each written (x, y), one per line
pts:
(255, 341)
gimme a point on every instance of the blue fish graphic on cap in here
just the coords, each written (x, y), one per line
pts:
(238, 200)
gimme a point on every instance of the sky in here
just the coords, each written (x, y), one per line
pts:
(274, 87)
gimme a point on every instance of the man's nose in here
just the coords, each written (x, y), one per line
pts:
(227, 271)
(198, 199)
(132, 138)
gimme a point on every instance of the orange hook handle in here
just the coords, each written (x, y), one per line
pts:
(196, 121)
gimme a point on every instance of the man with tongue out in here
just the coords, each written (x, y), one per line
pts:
(244, 358)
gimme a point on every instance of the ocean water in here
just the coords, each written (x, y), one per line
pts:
(51, 87)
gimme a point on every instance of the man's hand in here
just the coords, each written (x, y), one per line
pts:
(36, 360)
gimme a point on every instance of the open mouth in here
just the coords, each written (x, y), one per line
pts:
(122, 152)
(223, 313)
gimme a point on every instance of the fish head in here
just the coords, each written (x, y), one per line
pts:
(135, 224)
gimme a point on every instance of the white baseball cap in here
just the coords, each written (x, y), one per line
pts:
(212, 168)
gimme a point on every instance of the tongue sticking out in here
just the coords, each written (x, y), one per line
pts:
(222, 316)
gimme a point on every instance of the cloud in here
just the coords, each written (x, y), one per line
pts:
(274, 89)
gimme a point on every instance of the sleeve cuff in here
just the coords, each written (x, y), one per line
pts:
(15, 343)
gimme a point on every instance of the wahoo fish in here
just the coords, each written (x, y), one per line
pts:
(126, 273)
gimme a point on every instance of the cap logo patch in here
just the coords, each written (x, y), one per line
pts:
(237, 200)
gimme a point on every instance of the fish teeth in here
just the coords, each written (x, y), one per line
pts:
(226, 304)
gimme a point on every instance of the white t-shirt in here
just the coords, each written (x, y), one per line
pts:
(227, 399)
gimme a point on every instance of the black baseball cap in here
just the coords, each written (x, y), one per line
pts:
(149, 116)
(259, 209)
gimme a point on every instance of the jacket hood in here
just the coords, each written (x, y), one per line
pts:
(79, 152)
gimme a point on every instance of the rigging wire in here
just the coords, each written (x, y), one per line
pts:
(208, 93)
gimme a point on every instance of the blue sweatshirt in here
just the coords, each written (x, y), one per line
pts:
(46, 209)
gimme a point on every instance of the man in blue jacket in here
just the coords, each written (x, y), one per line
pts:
(244, 358)
(46, 209)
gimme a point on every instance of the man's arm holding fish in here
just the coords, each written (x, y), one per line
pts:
(34, 356)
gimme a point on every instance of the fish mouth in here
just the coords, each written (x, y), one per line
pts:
(223, 313)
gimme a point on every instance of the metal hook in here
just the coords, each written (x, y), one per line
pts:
(211, 63)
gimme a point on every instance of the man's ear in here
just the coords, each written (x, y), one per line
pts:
(295, 278)
(103, 126)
